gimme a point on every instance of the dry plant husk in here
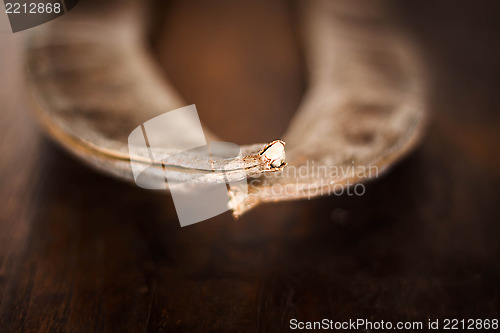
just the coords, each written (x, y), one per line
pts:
(94, 81)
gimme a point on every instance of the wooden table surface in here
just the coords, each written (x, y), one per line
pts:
(81, 252)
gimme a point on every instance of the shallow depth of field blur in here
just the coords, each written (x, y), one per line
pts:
(80, 251)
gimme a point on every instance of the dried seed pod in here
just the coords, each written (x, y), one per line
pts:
(94, 82)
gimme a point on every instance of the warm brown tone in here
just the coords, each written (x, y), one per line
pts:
(80, 252)
(364, 105)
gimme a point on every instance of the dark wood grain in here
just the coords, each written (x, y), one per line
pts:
(80, 252)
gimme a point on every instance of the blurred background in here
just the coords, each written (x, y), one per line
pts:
(83, 252)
